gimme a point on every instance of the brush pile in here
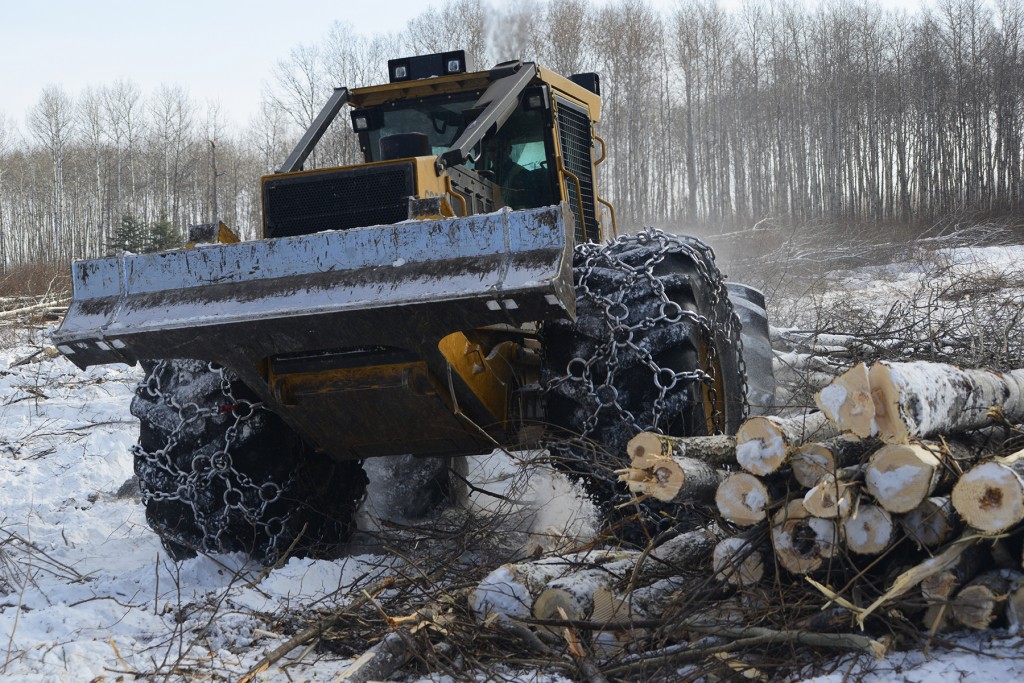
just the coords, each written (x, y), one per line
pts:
(893, 513)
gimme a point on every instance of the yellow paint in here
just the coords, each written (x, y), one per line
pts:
(489, 373)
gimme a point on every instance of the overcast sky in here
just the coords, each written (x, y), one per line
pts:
(217, 49)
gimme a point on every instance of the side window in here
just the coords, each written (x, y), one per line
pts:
(516, 158)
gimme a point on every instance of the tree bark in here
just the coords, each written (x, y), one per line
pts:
(922, 399)
(764, 444)
(739, 560)
(672, 479)
(990, 496)
(718, 451)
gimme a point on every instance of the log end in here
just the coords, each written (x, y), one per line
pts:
(743, 499)
(990, 497)
(761, 446)
(901, 477)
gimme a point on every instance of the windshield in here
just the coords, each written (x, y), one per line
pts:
(442, 120)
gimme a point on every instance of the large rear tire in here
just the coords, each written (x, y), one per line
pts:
(655, 347)
(221, 473)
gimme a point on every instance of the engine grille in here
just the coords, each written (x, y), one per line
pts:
(337, 199)
(574, 138)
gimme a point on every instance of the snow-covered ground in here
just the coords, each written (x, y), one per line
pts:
(87, 592)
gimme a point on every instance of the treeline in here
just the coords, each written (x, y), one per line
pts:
(781, 112)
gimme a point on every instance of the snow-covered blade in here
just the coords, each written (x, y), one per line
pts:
(329, 290)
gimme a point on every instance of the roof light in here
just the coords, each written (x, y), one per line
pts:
(401, 73)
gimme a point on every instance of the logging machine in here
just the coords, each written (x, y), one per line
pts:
(458, 291)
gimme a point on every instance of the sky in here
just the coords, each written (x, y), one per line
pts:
(218, 50)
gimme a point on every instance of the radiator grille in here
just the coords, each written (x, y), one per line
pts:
(574, 138)
(337, 200)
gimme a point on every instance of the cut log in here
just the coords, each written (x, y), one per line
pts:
(382, 660)
(802, 543)
(902, 476)
(739, 560)
(990, 496)
(931, 523)
(847, 402)
(1015, 607)
(672, 478)
(942, 586)
(744, 499)
(718, 451)
(834, 495)
(814, 460)
(938, 618)
(981, 604)
(511, 589)
(869, 530)
(764, 444)
(922, 399)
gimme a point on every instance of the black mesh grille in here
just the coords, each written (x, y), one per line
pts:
(574, 138)
(337, 200)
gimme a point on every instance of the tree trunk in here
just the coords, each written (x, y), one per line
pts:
(870, 530)
(901, 477)
(671, 479)
(847, 402)
(922, 399)
(744, 499)
(739, 560)
(982, 602)
(931, 523)
(802, 543)
(990, 496)
(763, 444)
(814, 460)
(382, 660)
(718, 451)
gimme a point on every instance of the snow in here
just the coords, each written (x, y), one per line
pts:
(831, 399)
(87, 592)
(890, 483)
(752, 454)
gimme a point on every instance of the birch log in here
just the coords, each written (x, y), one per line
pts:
(744, 499)
(739, 560)
(870, 530)
(764, 444)
(921, 399)
(802, 543)
(990, 496)
(671, 478)
(931, 523)
(834, 495)
(902, 476)
(847, 402)
(982, 602)
(814, 460)
(718, 451)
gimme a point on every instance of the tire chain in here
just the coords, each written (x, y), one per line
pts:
(578, 371)
(245, 501)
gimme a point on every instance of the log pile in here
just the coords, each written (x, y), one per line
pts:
(883, 502)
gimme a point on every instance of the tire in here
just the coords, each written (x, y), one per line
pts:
(654, 348)
(221, 473)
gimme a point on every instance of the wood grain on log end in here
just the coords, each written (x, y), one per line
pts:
(847, 402)
(990, 496)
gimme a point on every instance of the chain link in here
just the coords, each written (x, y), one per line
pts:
(195, 481)
(596, 377)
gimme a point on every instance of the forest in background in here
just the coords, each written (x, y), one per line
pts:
(778, 112)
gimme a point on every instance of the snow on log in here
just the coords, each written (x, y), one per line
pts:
(902, 476)
(847, 402)
(922, 399)
(814, 460)
(802, 543)
(719, 450)
(744, 499)
(931, 523)
(833, 496)
(941, 587)
(990, 496)
(982, 602)
(869, 530)
(739, 560)
(764, 443)
(671, 478)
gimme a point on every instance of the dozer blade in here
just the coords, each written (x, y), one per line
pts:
(404, 286)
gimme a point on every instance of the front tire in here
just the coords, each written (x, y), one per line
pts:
(219, 472)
